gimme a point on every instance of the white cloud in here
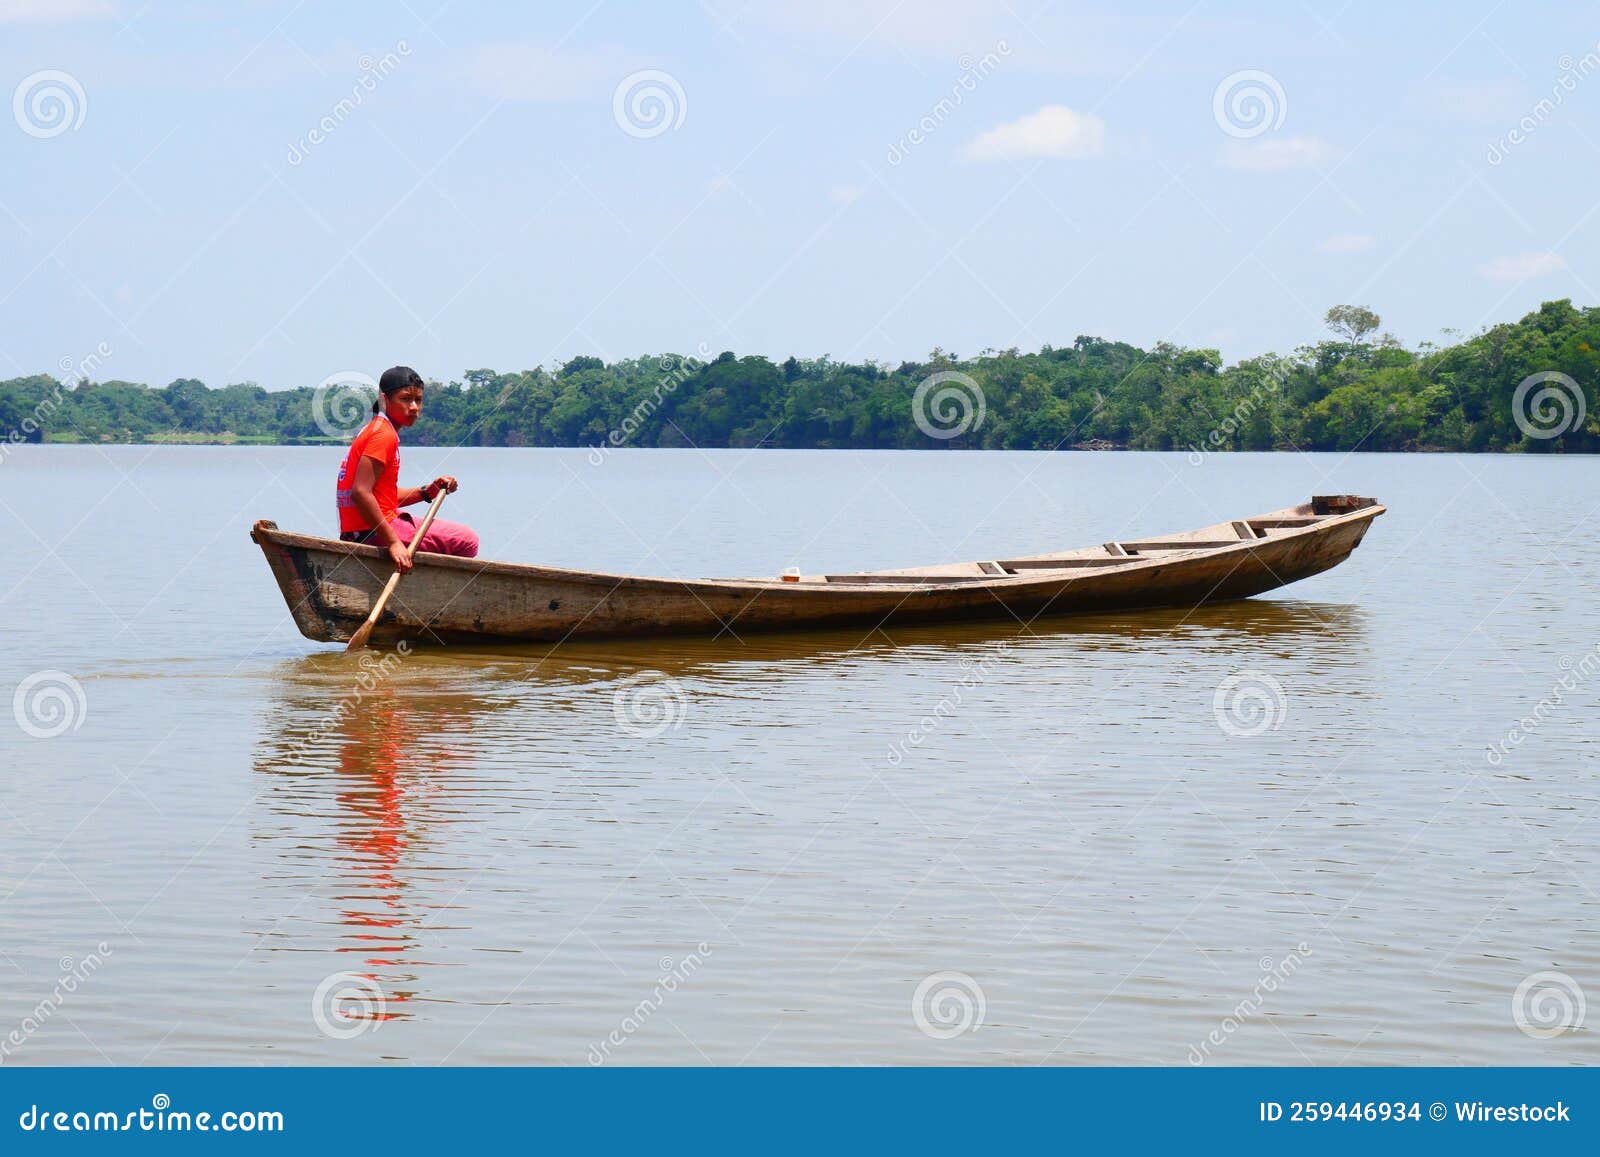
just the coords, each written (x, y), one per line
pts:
(532, 72)
(1038, 38)
(54, 11)
(936, 27)
(1053, 131)
(1347, 243)
(844, 194)
(1522, 266)
(1479, 103)
(1275, 153)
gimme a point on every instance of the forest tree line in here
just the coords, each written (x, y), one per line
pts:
(1525, 385)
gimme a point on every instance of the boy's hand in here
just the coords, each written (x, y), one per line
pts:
(400, 557)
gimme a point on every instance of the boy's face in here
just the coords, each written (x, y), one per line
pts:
(404, 407)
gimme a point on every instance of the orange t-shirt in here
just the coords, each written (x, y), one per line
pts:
(379, 441)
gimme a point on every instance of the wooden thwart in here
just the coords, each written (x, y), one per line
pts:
(1016, 564)
(1210, 544)
(1282, 523)
(904, 579)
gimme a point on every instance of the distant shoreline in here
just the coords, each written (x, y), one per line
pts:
(331, 443)
(1527, 386)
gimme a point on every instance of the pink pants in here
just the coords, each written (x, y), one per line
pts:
(442, 537)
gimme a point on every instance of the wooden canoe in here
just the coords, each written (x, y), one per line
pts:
(330, 585)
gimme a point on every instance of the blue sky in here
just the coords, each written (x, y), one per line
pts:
(495, 199)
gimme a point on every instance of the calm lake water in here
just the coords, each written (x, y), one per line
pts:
(984, 844)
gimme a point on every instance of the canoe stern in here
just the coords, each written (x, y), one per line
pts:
(301, 585)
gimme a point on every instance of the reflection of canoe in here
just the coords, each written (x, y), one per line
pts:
(443, 678)
(330, 585)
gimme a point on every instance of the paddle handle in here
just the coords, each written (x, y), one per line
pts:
(427, 521)
(359, 639)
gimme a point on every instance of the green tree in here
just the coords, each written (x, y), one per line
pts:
(1352, 322)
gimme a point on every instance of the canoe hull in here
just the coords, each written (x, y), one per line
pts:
(330, 587)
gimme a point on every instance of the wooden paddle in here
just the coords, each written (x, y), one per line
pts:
(359, 639)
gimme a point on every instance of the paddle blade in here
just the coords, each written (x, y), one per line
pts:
(359, 639)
